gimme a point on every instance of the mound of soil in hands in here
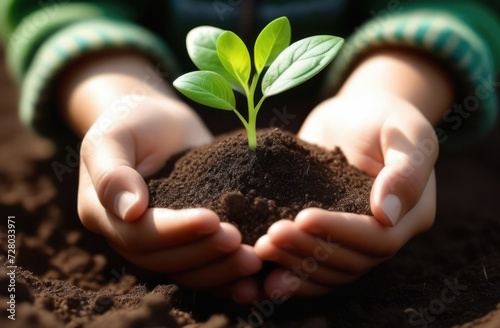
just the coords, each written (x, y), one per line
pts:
(254, 189)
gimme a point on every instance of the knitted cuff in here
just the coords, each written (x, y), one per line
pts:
(37, 105)
(454, 44)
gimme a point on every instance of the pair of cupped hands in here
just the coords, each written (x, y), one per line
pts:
(382, 134)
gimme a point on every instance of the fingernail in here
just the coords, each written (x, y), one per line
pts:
(391, 205)
(206, 229)
(246, 270)
(227, 245)
(123, 202)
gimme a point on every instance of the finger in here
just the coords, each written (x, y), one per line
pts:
(243, 291)
(189, 256)
(364, 233)
(306, 268)
(157, 228)
(243, 262)
(281, 284)
(409, 158)
(285, 235)
(110, 162)
(160, 228)
(246, 290)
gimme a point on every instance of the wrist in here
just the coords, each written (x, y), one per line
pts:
(407, 75)
(102, 81)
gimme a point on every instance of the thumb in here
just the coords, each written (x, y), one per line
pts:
(410, 151)
(119, 187)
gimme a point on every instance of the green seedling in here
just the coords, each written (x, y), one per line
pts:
(224, 63)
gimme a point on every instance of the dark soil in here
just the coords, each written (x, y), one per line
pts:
(254, 189)
(70, 277)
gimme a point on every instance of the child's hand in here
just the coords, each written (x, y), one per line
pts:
(191, 245)
(382, 119)
(128, 136)
(388, 138)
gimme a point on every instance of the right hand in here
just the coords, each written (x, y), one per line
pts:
(130, 142)
(388, 138)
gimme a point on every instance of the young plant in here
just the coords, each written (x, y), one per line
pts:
(224, 63)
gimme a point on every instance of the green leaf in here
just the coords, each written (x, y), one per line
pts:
(273, 39)
(234, 56)
(201, 43)
(207, 88)
(299, 62)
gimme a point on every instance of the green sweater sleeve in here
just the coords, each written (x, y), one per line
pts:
(461, 35)
(41, 38)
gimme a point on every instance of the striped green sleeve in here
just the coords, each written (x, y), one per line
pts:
(457, 44)
(37, 91)
(26, 24)
(41, 41)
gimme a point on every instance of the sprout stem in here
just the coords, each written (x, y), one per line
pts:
(252, 137)
(242, 119)
(251, 126)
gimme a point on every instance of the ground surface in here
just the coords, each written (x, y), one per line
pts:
(70, 277)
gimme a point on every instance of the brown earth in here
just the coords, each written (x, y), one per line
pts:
(69, 277)
(254, 189)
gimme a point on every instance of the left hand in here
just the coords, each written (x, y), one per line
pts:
(388, 138)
